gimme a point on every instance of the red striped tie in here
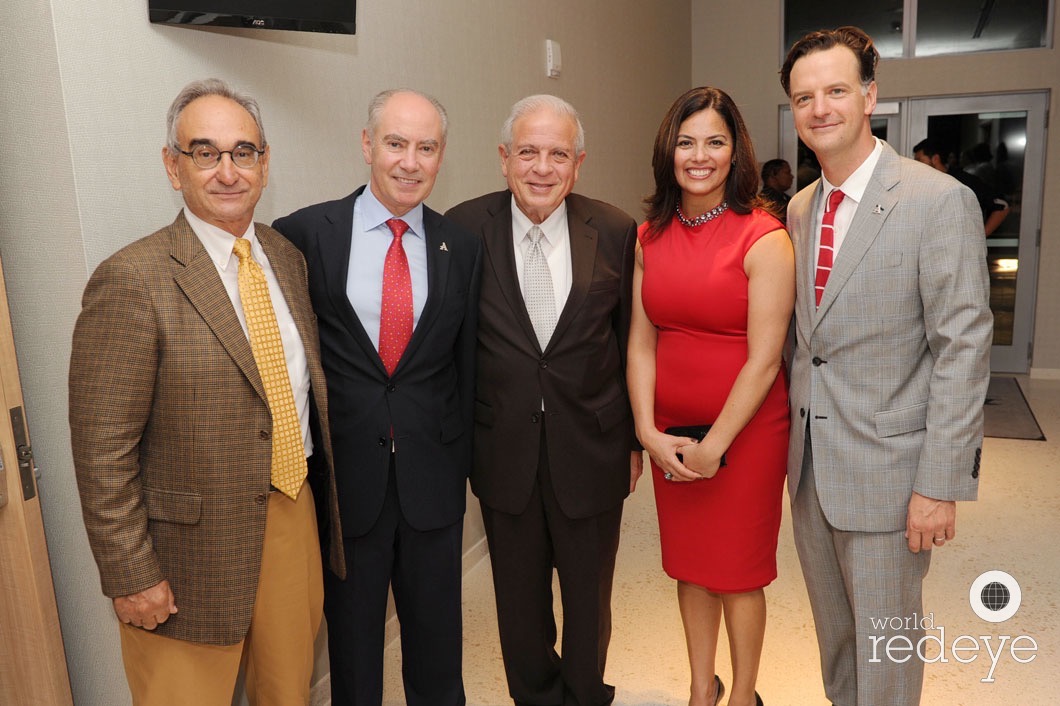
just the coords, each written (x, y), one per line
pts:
(826, 251)
(395, 314)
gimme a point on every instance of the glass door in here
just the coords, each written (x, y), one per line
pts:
(1000, 140)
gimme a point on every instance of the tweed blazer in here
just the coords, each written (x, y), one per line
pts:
(580, 374)
(171, 431)
(890, 372)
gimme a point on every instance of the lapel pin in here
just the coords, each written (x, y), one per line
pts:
(444, 248)
(877, 209)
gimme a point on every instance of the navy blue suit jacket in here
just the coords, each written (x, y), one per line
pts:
(428, 401)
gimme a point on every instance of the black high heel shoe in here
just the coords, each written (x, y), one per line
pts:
(758, 699)
(719, 690)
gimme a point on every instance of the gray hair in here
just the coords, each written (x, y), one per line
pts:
(375, 108)
(201, 89)
(531, 104)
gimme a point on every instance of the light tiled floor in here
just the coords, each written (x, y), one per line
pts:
(1013, 527)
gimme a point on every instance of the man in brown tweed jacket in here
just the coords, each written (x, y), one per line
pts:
(207, 566)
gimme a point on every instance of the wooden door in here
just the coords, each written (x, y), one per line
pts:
(32, 660)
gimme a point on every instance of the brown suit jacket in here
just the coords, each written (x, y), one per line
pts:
(171, 431)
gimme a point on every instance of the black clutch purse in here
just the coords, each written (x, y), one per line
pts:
(697, 432)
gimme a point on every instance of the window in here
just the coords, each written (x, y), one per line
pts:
(957, 26)
(939, 26)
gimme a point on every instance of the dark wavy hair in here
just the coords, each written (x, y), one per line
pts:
(853, 38)
(741, 187)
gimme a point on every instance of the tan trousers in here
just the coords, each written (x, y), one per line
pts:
(277, 651)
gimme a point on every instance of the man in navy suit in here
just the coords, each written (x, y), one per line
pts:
(401, 406)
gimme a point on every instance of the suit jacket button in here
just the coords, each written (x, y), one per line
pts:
(382, 441)
(802, 412)
(534, 418)
(263, 434)
(543, 363)
(975, 473)
(391, 387)
(261, 498)
(816, 360)
(978, 454)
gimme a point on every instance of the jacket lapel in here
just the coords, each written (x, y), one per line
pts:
(333, 243)
(499, 245)
(803, 226)
(437, 279)
(203, 287)
(285, 267)
(583, 240)
(876, 205)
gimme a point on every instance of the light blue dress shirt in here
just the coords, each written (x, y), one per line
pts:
(370, 239)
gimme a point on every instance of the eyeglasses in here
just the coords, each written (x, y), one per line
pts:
(207, 156)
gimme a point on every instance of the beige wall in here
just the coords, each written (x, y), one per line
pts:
(85, 87)
(744, 59)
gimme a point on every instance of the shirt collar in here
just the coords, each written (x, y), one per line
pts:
(374, 214)
(855, 184)
(219, 242)
(551, 226)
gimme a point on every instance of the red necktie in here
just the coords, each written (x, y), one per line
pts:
(826, 252)
(395, 314)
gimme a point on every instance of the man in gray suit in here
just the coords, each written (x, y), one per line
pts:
(889, 372)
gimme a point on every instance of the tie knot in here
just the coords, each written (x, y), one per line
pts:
(834, 199)
(397, 227)
(242, 248)
(535, 234)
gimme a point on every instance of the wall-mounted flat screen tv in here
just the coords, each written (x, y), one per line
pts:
(337, 16)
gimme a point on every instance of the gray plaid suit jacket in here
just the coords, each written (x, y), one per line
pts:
(170, 429)
(891, 371)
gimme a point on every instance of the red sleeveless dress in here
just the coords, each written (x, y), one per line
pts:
(719, 533)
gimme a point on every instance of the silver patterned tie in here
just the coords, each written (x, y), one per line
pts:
(539, 295)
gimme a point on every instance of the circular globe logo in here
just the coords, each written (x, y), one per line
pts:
(995, 596)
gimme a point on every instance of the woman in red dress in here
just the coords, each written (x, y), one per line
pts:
(713, 290)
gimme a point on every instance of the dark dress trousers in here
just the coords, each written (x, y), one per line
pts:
(551, 482)
(401, 504)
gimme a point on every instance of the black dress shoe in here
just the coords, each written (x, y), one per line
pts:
(758, 699)
(719, 690)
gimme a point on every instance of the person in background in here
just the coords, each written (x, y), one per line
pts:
(713, 291)
(993, 205)
(776, 180)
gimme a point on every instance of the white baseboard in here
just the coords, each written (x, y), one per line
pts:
(320, 694)
(1045, 373)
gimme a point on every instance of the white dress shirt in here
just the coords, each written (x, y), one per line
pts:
(853, 190)
(219, 246)
(555, 246)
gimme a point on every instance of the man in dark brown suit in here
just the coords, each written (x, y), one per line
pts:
(553, 429)
(208, 566)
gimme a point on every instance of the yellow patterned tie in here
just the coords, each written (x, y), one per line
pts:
(288, 447)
